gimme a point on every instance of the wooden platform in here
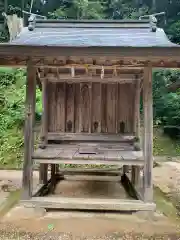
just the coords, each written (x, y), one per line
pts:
(82, 192)
(89, 153)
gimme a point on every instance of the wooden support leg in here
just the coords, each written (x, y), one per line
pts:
(148, 135)
(53, 176)
(43, 173)
(29, 136)
(57, 168)
(135, 178)
(125, 169)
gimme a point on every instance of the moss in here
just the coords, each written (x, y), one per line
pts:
(165, 205)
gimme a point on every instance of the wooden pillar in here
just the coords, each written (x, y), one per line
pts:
(43, 168)
(53, 177)
(136, 169)
(29, 134)
(148, 135)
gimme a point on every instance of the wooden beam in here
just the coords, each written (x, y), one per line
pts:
(97, 137)
(137, 160)
(43, 168)
(89, 204)
(29, 135)
(53, 176)
(148, 135)
(135, 169)
(148, 54)
(126, 78)
(137, 90)
(130, 64)
(44, 127)
(92, 178)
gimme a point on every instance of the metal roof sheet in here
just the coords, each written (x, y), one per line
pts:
(93, 34)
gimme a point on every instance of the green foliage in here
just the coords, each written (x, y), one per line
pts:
(80, 9)
(12, 98)
(166, 105)
(163, 145)
(174, 32)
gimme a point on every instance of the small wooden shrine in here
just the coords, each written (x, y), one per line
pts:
(92, 74)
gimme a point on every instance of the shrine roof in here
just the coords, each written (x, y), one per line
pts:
(68, 33)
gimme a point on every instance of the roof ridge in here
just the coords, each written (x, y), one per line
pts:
(106, 23)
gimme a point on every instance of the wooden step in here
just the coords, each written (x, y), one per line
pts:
(89, 204)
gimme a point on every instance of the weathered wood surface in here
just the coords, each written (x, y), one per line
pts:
(148, 135)
(90, 108)
(43, 172)
(93, 137)
(93, 178)
(134, 60)
(81, 151)
(79, 154)
(44, 131)
(98, 162)
(91, 171)
(29, 134)
(89, 204)
(80, 79)
(135, 178)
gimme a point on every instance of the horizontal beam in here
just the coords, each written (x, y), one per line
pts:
(83, 79)
(88, 25)
(55, 136)
(93, 178)
(148, 54)
(89, 66)
(132, 63)
(88, 204)
(97, 161)
(90, 171)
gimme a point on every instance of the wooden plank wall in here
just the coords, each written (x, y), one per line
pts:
(90, 107)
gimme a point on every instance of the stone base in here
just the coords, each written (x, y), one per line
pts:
(20, 212)
(149, 215)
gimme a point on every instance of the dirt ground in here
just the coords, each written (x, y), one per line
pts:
(167, 177)
(88, 226)
(72, 225)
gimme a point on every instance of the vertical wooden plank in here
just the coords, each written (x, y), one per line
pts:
(104, 108)
(52, 107)
(148, 135)
(77, 107)
(70, 108)
(44, 127)
(61, 106)
(117, 107)
(84, 111)
(111, 108)
(29, 135)
(130, 103)
(136, 128)
(49, 86)
(96, 107)
(122, 107)
(90, 107)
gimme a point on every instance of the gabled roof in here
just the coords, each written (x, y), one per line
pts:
(65, 33)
